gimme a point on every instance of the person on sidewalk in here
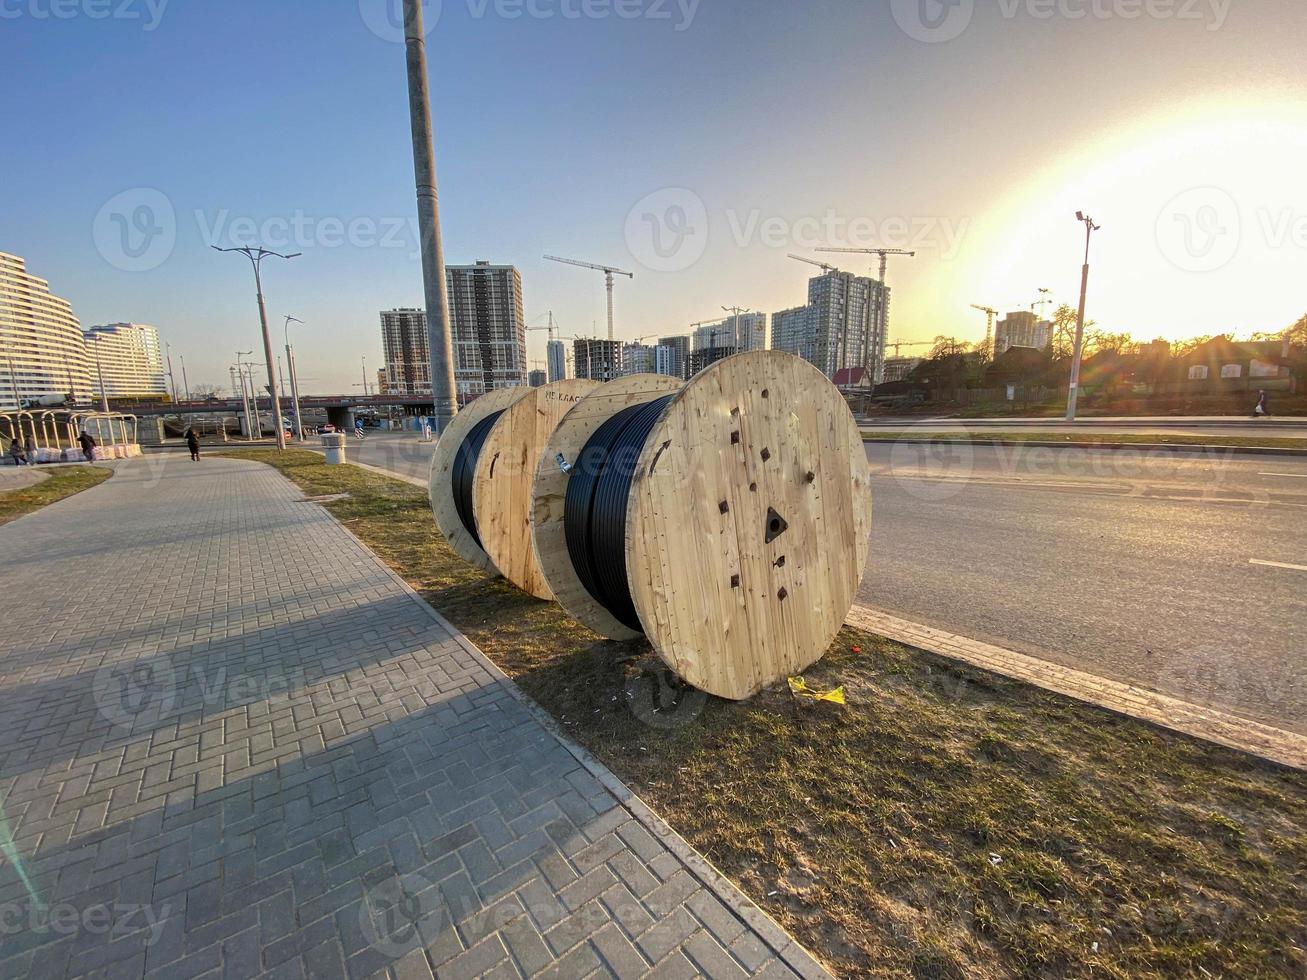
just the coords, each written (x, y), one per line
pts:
(18, 453)
(87, 442)
(193, 444)
(1263, 407)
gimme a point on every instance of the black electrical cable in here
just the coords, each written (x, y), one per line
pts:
(594, 511)
(465, 467)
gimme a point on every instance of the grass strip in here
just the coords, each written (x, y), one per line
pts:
(946, 823)
(1095, 438)
(62, 482)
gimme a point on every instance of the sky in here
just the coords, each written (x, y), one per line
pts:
(695, 143)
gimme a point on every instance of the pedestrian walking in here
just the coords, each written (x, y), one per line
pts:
(1263, 407)
(193, 444)
(87, 442)
(18, 453)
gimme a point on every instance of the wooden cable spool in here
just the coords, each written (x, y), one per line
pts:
(747, 523)
(505, 472)
(440, 489)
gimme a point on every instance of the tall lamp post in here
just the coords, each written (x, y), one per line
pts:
(99, 370)
(256, 257)
(445, 402)
(294, 382)
(245, 397)
(1074, 391)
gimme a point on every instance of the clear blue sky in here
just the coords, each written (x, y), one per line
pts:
(551, 129)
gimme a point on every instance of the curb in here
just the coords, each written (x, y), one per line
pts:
(795, 956)
(1145, 447)
(1209, 724)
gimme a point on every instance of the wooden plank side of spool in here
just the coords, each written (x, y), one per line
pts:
(440, 488)
(506, 471)
(550, 494)
(749, 523)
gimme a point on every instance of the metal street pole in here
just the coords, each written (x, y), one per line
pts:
(172, 380)
(186, 385)
(256, 257)
(1073, 392)
(365, 377)
(443, 392)
(294, 382)
(99, 370)
(245, 398)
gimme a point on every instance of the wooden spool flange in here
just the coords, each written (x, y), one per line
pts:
(550, 494)
(506, 470)
(440, 489)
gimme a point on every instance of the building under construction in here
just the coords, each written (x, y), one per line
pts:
(488, 327)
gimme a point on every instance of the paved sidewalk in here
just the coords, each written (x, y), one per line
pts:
(1275, 744)
(233, 743)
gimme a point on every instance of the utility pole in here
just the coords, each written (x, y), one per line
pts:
(186, 385)
(294, 382)
(439, 340)
(99, 370)
(1073, 392)
(256, 257)
(172, 379)
(245, 398)
(365, 377)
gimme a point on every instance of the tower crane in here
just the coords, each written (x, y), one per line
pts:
(899, 344)
(823, 266)
(608, 271)
(550, 328)
(990, 313)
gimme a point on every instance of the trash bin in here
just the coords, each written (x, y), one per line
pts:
(333, 445)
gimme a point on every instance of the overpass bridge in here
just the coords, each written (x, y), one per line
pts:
(409, 404)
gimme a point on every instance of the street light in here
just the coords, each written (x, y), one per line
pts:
(294, 381)
(245, 398)
(1073, 392)
(256, 257)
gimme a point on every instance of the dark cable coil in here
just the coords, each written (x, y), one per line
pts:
(594, 514)
(465, 468)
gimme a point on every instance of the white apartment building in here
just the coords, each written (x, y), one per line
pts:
(127, 359)
(488, 327)
(41, 347)
(1021, 328)
(843, 325)
(407, 351)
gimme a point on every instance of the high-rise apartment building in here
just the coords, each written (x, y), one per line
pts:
(678, 356)
(488, 327)
(537, 378)
(842, 325)
(1021, 328)
(129, 359)
(637, 359)
(597, 360)
(42, 351)
(556, 361)
(407, 352)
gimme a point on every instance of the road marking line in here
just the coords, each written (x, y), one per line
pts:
(1287, 476)
(1277, 564)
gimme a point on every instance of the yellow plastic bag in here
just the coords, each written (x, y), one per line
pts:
(800, 687)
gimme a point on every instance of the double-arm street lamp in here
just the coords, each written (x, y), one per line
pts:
(1074, 391)
(256, 257)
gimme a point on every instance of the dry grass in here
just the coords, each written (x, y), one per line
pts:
(947, 823)
(62, 482)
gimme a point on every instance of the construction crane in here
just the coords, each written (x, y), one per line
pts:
(1042, 302)
(898, 344)
(990, 313)
(823, 266)
(608, 271)
(550, 328)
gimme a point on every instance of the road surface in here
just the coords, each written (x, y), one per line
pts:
(1181, 572)
(1229, 426)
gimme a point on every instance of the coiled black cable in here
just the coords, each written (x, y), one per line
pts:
(594, 511)
(464, 469)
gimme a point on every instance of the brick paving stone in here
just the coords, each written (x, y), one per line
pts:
(257, 746)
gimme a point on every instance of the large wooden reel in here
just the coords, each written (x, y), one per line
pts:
(505, 473)
(440, 488)
(550, 493)
(748, 525)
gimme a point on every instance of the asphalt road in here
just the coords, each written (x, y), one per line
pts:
(1133, 566)
(1291, 428)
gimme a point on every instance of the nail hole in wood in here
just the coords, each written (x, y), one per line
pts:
(782, 594)
(735, 438)
(735, 581)
(723, 506)
(766, 455)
